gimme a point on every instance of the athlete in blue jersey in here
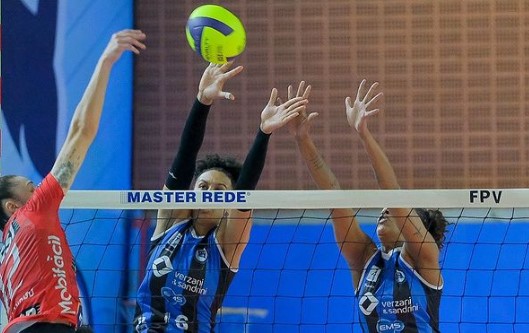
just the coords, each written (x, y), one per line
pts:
(195, 254)
(398, 285)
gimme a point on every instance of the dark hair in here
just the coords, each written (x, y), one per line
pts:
(6, 192)
(435, 223)
(84, 329)
(227, 164)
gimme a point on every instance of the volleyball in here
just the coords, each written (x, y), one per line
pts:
(215, 33)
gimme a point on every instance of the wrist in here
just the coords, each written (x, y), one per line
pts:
(262, 130)
(204, 100)
(263, 133)
(106, 62)
(301, 136)
(363, 133)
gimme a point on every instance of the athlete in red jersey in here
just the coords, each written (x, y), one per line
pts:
(37, 272)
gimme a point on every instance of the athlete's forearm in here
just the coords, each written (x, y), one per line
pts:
(254, 163)
(318, 168)
(183, 166)
(384, 172)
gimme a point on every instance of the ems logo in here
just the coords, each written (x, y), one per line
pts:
(368, 303)
(201, 255)
(385, 325)
(162, 266)
(399, 276)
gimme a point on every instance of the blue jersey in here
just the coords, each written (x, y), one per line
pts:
(393, 297)
(185, 282)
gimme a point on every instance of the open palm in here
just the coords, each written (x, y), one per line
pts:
(276, 116)
(300, 125)
(212, 82)
(357, 112)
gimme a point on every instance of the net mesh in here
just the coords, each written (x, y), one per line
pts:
(292, 276)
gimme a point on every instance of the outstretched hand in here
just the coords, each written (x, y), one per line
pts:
(357, 112)
(300, 125)
(276, 116)
(213, 80)
(122, 41)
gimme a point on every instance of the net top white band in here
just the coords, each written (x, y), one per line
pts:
(306, 199)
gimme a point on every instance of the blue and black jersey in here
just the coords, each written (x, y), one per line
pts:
(393, 297)
(185, 282)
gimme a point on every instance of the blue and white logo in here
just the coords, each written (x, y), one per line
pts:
(386, 326)
(399, 276)
(368, 303)
(201, 255)
(162, 266)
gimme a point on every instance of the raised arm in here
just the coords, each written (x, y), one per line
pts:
(234, 231)
(182, 169)
(420, 248)
(85, 121)
(355, 246)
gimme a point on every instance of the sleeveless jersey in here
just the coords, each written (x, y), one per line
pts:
(393, 297)
(37, 271)
(185, 283)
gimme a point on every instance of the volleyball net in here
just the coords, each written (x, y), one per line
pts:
(292, 277)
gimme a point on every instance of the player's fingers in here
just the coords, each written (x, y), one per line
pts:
(131, 48)
(226, 66)
(360, 88)
(137, 43)
(312, 115)
(306, 93)
(348, 103)
(372, 112)
(374, 99)
(369, 92)
(273, 97)
(299, 109)
(290, 116)
(299, 101)
(227, 95)
(295, 100)
(300, 88)
(232, 73)
(289, 91)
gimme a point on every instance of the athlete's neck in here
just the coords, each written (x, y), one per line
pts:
(386, 248)
(202, 228)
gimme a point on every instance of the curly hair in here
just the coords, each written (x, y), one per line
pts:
(435, 223)
(227, 164)
(6, 192)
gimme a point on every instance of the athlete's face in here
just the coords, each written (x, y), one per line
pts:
(387, 230)
(211, 180)
(22, 189)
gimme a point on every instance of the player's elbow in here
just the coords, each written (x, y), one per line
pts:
(84, 129)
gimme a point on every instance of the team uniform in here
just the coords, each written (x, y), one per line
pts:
(186, 280)
(393, 297)
(37, 270)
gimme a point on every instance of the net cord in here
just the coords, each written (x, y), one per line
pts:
(302, 199)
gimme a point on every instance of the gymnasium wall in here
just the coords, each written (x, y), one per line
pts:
(454, 74)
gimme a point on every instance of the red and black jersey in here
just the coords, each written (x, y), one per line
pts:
(37, 270)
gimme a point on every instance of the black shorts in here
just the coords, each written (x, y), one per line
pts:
(49, 328)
